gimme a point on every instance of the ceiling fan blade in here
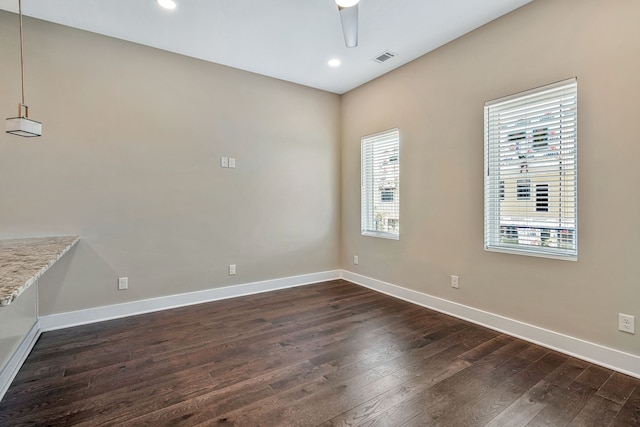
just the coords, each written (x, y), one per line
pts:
(349, 18)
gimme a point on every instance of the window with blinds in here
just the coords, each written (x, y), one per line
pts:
(380, 193)
(530, 192)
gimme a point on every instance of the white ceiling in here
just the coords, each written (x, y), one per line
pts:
(287, 39)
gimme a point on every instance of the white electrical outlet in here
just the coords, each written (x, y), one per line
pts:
(355, 260)
(454, 282)
(626, 323)
(232, 269)
(232, 162)
(123, 283)
(224, 162)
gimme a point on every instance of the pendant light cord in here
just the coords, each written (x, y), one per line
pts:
(21, 52)
(22, 125)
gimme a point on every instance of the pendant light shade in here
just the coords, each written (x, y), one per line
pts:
(22, 125)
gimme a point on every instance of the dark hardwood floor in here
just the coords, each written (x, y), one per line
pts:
(327, 354)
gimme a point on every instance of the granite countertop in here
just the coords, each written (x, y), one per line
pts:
(23, 261)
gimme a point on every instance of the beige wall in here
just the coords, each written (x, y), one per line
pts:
(130, 157)
(437, 102)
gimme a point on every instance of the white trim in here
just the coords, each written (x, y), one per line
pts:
(381, 234)
(519, 251)
(610, 358)
(595, 353)
(534, 91)
(98, 314)
(10, 370)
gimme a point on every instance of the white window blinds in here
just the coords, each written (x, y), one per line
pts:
(380, 193)
(530, 194)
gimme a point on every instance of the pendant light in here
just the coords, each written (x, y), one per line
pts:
(22, 125)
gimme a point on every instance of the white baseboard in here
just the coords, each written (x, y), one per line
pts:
(10, 370)
(595, 353)
(610, 358)
(98, 314)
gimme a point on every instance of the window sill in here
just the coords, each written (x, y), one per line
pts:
(381, 234)
(533, 253)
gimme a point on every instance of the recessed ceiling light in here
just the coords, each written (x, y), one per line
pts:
(334, 62)
(167, 4)
(347, 3)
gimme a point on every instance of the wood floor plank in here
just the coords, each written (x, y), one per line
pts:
(414, 381)
(389, 362)
(564, 407)
(328, 354)
(629, 414)
(618, 388)
(453, 399)
(596, 413)
(553, 372)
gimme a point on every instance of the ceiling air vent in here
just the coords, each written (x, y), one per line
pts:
(384, 56)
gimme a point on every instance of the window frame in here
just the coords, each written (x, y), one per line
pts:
(532, 137)
(371, 197)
